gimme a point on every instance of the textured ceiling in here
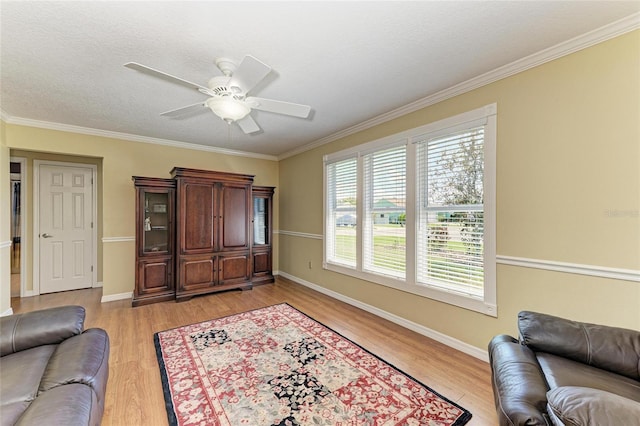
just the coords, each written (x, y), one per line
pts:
(62, 62)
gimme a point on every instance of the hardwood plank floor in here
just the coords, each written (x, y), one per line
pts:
(134, 391)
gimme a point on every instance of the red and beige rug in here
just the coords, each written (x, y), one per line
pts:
(277, 366)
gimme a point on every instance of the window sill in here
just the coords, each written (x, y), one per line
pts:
(461, 300)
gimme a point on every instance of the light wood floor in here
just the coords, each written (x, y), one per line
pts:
(134, 391)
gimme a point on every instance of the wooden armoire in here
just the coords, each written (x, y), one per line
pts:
(213, 233)
(196, 234)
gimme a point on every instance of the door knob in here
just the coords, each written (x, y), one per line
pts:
(46, 236)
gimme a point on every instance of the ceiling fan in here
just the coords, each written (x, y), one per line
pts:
(228, 93)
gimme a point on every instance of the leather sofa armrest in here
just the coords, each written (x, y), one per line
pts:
(519, 387)
(44, 327)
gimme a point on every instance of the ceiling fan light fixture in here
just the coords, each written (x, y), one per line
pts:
(228, 109)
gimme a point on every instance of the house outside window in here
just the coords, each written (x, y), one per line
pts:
(416, 211)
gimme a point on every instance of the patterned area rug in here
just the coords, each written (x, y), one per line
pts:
(277, 366)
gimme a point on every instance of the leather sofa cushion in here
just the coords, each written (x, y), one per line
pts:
(578, 406)
(19, 380)
(561, 372)
(72, 404)
(37, 328)
(79, 359)
(610, 348)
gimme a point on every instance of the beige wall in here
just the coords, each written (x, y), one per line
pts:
(568, 190)
(118, 160)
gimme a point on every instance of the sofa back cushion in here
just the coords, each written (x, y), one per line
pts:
(610, 348)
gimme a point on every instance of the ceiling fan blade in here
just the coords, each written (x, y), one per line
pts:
(163, 75)
(184, 110)
(249, 73)
(248, 125)
(279, 107)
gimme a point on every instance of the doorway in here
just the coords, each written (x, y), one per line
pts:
(17, 188)
(64, 226)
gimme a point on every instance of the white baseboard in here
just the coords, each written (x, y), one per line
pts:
(114, 297)
(7, 313)
(435, 335)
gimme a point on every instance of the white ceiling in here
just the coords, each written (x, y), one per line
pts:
(61, 63)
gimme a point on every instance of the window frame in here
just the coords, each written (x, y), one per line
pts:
(486, 116)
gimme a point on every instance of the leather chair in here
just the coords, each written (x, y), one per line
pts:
(566, 372)
(52, 372)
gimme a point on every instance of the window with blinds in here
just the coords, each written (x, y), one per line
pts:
(341, 188)
(384, 238)
(415, 211)
(450, 228)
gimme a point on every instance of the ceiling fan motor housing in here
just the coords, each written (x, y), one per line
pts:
(219, 86)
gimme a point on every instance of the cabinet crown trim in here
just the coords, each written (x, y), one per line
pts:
(150, 181)
(182, 172)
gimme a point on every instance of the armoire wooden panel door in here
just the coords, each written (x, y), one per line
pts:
(234, 268)
(235, 204)
(197, 219)
(154, 276)
(197, 272)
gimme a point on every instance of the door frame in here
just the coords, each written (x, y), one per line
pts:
(36, 218)
(24, 244)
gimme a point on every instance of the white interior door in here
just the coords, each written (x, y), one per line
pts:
(65, 227)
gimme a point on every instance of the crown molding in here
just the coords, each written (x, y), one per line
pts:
(127, 137)
(599, 35)
(607, 32)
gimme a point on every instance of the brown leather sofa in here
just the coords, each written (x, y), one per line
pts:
(563, 372)
(51, 371)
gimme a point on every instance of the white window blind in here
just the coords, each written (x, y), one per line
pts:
(424, 200)
(384, 236)
(341, 187)
(450, 228)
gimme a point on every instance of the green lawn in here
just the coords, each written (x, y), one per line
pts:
(394, 248)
